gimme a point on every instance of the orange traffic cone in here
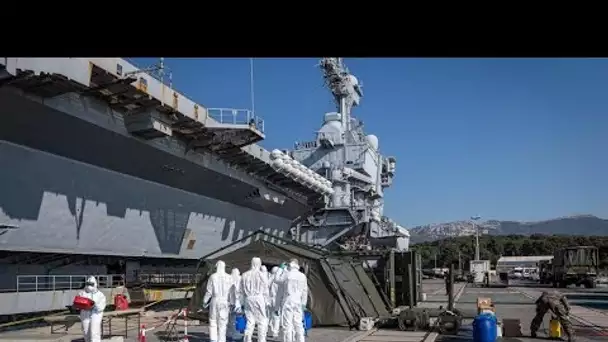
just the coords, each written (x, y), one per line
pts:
(142, 333)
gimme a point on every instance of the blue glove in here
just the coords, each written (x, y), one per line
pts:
(283, 265)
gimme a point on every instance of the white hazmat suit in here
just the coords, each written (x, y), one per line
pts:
(275, 302)
(235, 274)
(255, 297)
(295, 296)
(219, 286)
(91, 319)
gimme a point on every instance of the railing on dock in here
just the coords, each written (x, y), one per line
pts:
(169, 278)
(29, 283)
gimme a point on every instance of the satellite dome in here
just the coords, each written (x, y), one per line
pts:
(373, 141)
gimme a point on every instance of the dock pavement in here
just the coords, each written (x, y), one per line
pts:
(518, 303)
(590, 323)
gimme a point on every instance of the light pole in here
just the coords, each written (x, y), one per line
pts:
(474, 219)
(459, 263)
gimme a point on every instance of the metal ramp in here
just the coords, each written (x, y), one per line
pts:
(226, 130)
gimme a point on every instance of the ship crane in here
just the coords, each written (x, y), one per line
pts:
(343, 85)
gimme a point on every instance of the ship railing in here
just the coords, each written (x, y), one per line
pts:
(169, 278)
(33, 283)
(306, 145)
(234, 116)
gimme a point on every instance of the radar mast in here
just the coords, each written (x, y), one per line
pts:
(344, 87)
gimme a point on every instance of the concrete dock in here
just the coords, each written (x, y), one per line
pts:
(590, 324)
(589, 316)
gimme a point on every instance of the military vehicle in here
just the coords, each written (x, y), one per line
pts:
(575, 265)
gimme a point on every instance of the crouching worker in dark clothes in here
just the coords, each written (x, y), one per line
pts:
(558, 305)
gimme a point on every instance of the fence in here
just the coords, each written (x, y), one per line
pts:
(169, 278)
(28, 283)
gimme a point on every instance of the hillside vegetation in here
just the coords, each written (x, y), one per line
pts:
(586, 225)
(492, 247)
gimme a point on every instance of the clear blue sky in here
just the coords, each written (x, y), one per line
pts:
(521, 139)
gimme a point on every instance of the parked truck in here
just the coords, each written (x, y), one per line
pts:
(575, 265)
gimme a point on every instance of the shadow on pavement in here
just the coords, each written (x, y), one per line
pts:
(464, 334)
(590, 333)
(195, 336)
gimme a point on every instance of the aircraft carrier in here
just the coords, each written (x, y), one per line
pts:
(109, 170)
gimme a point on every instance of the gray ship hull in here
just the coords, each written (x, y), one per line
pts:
(73, 181)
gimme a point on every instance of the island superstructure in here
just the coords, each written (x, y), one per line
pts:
(354, 174)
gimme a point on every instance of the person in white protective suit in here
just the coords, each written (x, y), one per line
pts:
(235, 274)
(275, 303)
(219, 286)
(265, 271)
(255, 295)
(295, 296)
(91, 319)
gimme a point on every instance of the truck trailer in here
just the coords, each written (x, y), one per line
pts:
(575, 265)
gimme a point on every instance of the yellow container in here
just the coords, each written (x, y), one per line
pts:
(555, 328)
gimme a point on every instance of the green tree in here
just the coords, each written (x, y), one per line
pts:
(493, 247)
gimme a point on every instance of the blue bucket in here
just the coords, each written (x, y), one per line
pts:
(485, 328)
(240, 323)
(307, 320)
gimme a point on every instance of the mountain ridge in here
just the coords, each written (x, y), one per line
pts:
(569, 225)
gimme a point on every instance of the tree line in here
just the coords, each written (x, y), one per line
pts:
(492, 247)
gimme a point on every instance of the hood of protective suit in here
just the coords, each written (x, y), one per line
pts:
(220, 267)
(256, 263)
(274, 270)
(235, 272)
(264, 269)
(91, 284)
(293, 265)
